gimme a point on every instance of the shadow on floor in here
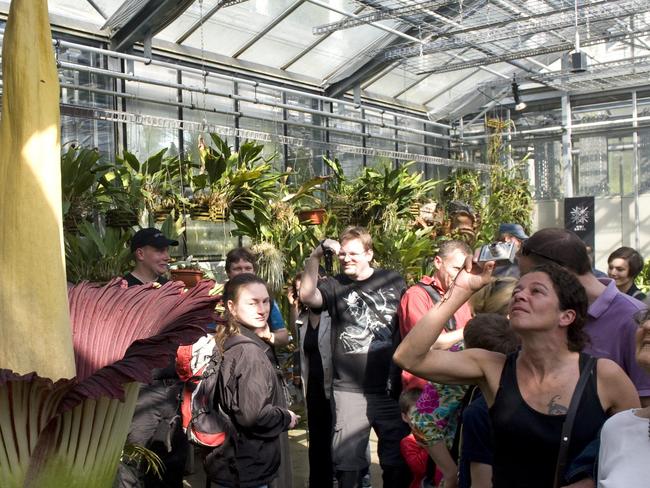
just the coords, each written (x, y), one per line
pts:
(298, 440)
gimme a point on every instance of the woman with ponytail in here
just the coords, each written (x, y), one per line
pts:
(248, 388)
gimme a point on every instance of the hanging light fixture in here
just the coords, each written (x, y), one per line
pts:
(519, 105)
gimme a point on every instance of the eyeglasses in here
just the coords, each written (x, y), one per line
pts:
(527, 251)
(642, 316)
(351, 255)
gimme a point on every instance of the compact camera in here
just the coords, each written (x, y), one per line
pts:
(501, 252)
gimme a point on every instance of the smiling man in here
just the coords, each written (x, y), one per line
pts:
(150, 249)
(362, 302)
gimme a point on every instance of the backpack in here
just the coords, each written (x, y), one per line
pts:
(436, 298)
(204, 421)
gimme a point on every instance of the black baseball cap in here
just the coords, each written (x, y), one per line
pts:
(151, 237)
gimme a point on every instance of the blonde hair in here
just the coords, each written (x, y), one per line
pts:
(360, 233)
(495, 296)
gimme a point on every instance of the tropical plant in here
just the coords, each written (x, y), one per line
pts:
(509, 200)
(81, 170)
(97, 254)
(398, 245)
(71, 368)
(379, 189)
(234, 181)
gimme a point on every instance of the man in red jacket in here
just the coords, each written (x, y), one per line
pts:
(417, 301)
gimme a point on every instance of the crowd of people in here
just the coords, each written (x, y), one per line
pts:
(527, 372)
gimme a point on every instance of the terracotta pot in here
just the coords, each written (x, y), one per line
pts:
(190, 277)
(312, 216)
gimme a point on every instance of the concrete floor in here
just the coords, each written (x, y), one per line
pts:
(299, 442)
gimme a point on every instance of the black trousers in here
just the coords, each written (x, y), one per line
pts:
(319, 421)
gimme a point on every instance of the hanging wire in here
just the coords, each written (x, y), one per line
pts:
(576, 26)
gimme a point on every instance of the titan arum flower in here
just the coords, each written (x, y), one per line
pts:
(70, 362)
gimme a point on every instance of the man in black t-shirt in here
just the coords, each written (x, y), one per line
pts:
(150, 250)
(362, 303)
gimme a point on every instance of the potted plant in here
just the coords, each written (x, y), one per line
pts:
(187, 271)
(232, 182)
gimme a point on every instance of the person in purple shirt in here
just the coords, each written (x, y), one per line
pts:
(610, 318)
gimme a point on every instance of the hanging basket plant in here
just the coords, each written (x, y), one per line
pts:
(414, 208)
(160, 214)
(121, 218)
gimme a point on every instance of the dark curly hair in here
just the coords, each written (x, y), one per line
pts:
(571, 296)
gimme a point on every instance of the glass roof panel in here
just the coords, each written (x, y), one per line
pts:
(392, 82)
(290, 36)
(231, 27)
(338, 50)
(78, 10)
(181, 25)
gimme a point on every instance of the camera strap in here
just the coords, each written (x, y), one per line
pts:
(435, 296)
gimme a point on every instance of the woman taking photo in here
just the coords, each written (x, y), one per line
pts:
(528, 392)
(248, 388)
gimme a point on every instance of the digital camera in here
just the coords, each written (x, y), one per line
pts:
(501, 252)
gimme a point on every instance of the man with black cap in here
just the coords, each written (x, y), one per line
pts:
(154, 424)
(150, 249)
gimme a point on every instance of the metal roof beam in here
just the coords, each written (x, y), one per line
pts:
(143, 20)
(99, 10)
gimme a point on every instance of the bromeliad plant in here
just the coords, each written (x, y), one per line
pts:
(70, 369)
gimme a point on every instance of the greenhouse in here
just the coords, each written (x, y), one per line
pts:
(273, 126)
(375, 80)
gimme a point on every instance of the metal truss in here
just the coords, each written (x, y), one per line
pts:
(623, 73)
(454, 35)
(515, 28)
(387, 14)
(434, 64)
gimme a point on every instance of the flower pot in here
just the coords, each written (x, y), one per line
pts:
(200, 212)
(190, 277)
(209, 214)
(312, 216)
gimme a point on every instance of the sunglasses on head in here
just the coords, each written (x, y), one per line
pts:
(527, 251)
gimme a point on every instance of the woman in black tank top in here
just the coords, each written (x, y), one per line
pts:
(528, 392)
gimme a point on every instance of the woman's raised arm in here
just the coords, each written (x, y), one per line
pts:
(416, 355)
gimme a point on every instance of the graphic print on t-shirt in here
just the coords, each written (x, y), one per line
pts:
(372, 312)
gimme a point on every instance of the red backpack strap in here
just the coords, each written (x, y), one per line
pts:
(183, 362)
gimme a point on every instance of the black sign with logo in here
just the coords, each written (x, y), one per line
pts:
(579, 216)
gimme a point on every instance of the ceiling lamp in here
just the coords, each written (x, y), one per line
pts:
(519, 105)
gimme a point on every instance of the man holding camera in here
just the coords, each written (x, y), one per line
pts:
(510, 234)
(416, 302)
(362, 303)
